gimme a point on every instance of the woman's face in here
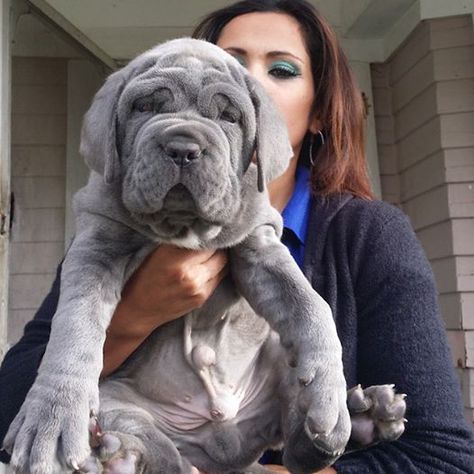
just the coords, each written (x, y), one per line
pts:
(272, 48)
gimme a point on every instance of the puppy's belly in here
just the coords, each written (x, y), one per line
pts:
(186, 414)
(166, 388)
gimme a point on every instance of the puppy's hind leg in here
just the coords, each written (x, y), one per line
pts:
(131, 444)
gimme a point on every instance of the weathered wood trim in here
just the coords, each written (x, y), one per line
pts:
(69, 32)
(5, 140)
(5, 109)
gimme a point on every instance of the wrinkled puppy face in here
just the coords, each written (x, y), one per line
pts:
(187, 128)
(174, 132)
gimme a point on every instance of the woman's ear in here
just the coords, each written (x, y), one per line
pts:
(314, 125)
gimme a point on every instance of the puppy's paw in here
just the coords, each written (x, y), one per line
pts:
(110, 455)
(327, 422)
(377, 414)
(322, 396)
(50, 433)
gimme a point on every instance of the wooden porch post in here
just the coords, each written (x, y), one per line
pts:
(5, 140)
(5, 134)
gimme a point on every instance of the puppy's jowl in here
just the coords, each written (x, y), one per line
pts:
(184, 158)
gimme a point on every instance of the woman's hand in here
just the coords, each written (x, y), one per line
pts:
(170, 283)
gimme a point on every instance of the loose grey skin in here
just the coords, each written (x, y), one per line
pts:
(170, 140)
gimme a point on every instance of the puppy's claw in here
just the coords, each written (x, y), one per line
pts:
(304, 381)
(6, 448)
(95, 432)
(356, 400)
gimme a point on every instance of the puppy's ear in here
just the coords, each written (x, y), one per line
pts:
(99, 129)
(272, 144)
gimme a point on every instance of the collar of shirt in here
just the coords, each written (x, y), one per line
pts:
(296, 216)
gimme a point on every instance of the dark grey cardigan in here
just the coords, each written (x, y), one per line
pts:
(365, 260)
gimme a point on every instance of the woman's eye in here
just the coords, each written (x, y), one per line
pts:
(241, 60)
(284, 70)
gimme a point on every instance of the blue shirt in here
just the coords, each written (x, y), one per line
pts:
(296, 215)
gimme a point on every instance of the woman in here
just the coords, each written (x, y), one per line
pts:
(359, 254)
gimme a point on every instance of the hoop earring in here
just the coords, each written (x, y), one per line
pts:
(311, 142)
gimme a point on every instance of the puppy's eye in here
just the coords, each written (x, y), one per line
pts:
(143, 106)
(230, 114)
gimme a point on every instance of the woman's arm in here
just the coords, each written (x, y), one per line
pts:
(401, 340)
(19, 367)
(170, 283)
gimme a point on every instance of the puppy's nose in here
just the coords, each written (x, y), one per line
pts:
(183, 153)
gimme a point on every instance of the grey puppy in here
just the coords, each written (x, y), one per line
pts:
(181, 143)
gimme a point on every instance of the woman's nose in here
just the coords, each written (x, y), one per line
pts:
(256, 70)
(260, 75)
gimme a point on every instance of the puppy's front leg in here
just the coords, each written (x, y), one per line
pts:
(51, 430)
(270, 280)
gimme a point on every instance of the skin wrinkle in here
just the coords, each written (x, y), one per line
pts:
(148, 189)
(211, 135)
(178, 75)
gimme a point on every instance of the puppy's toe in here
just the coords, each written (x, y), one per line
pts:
(90, 466)
(363, 430)
(377, 414)
(110, 445)
(391, 430)
(329, 432)
(125, 465)
(113, 453)
(357, 402)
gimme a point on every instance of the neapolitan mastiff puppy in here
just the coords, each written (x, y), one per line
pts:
(181, 143)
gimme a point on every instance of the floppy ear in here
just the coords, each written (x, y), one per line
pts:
(272, 144)
(99, 129)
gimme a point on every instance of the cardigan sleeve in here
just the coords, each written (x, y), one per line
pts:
(19, 367)
(401, 340)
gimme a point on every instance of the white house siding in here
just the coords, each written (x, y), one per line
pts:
(424, 107)
(39, 91)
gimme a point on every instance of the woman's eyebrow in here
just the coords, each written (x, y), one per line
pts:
(233, 49)
(284, 53)
(243, 52)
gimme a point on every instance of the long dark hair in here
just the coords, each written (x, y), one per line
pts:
(339, 163)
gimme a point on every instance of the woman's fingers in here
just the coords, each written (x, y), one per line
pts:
(214, 266)
(172, 256)
(204, 279)
(170, 283)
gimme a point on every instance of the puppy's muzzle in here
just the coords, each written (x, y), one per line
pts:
(183, 151)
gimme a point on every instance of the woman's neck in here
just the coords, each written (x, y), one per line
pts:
(281, 188)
